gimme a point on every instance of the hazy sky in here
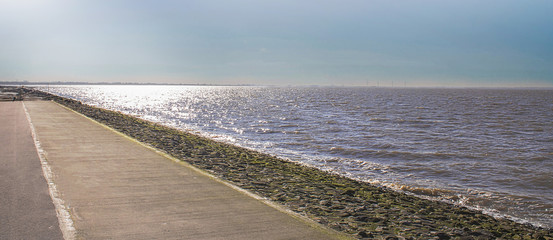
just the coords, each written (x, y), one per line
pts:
(324, 42)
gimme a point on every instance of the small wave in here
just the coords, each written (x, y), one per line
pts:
(288, 126)
(380, 119)
(404, 155)
(292, 132)
(482, 201)
(238, 130)
(333, 130)
(266, 131)
(336, 149)
(356, 165)
(383, 146)
(223, 138)
(434, 192)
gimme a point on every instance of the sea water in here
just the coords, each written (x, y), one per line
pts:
(487, 149)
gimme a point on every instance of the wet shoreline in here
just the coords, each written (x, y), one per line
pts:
(357, 208)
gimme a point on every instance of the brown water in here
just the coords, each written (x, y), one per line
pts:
(487, 149)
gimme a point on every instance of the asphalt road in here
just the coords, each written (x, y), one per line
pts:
(26, 209)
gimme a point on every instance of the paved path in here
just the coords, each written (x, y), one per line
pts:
(115, 188)
(26, 209)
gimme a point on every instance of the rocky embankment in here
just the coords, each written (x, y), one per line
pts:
(357, 208)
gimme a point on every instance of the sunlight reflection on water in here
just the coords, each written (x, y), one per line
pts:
(488, 149)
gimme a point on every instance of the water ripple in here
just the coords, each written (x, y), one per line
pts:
(483, 148)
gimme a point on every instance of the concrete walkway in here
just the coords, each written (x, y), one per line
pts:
(26, 209)
(115, 188)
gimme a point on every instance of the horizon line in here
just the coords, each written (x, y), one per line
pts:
(23, 83)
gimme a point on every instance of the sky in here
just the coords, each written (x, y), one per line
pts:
(469, 43)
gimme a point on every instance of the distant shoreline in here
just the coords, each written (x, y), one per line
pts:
(26, 83)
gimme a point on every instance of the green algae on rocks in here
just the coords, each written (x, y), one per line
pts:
(357, 208)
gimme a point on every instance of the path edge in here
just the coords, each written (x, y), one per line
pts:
(64, 217)
(310, 222)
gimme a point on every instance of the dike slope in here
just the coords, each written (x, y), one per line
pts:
(357, 208)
